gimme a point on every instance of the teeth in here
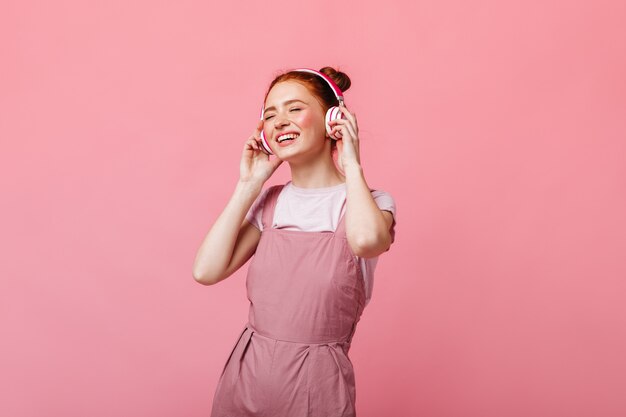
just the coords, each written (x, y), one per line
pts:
(289, 136)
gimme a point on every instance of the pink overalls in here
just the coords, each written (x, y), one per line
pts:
(306, 295)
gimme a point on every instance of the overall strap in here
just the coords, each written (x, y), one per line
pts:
(340, 230)
(270, 204)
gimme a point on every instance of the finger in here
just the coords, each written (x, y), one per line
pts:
(343, 121)
(259, 126)
(352, 118)
(338, 131)
(251, 144)
(349, 137)
(348, 126)
(256, 135)
(349, 116)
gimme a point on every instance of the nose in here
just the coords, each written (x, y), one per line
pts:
(280, 121)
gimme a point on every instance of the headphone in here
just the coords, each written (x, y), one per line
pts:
(332, 113)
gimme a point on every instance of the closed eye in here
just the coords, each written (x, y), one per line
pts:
(295, 108)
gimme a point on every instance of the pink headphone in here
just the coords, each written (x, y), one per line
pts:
(332, 113)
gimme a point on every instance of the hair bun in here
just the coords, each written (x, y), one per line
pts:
(340, 78)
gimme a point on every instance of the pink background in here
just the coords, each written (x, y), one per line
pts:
(499, 127)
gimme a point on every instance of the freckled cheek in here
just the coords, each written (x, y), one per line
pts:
(306, 121)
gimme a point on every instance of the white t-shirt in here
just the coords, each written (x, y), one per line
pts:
(319, 210)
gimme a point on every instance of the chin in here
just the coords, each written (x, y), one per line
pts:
(291, 155)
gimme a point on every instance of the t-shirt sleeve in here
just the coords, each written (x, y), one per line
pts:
(255, 212)
(385, 201)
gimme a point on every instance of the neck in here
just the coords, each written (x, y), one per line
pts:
(316, 173)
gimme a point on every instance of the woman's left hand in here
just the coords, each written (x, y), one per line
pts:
(348, 145)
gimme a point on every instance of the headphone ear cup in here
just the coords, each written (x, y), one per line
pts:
(264, 145)
(333, 113)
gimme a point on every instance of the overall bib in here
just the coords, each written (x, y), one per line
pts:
(306, 295)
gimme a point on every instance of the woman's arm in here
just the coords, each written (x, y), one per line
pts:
(231, 241)
(367, 226)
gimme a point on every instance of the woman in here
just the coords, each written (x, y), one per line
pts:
(316, 241)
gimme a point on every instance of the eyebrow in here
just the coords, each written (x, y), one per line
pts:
(285, 103)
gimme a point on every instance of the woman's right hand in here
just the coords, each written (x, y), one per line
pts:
(256, 165)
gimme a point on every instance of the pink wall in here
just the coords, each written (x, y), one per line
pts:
(499, 127)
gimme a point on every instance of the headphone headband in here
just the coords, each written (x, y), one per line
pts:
(326, 78)
(329, 81)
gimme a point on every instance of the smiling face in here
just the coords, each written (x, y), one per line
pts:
(291, 108)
